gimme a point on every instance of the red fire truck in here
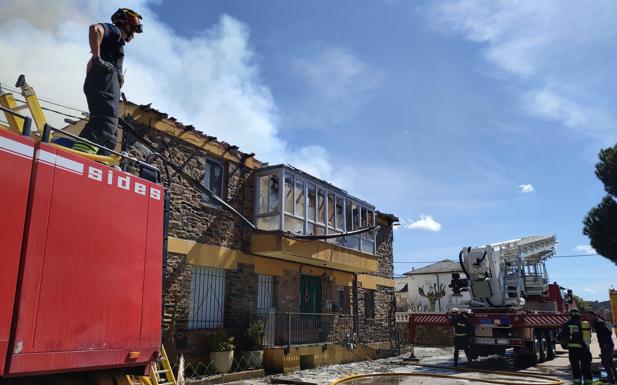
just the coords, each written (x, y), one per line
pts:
(513, 305)
(81, 265)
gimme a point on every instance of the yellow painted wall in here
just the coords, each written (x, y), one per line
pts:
(201, 254)
(314, 253)
(371, 282)
(276, 360)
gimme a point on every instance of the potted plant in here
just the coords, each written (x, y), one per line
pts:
(221, 351)
(255, 334)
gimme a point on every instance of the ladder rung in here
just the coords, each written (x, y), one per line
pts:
(163, 371)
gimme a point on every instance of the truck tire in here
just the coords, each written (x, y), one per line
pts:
(550, 345)
(540, 345)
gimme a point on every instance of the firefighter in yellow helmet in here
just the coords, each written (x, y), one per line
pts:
(104, 77)
(576, 334)
(463, 333)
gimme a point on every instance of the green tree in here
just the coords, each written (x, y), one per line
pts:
(581, 304)
(600, 224)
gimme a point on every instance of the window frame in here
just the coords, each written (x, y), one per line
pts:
(210, 316)
(365, 242)
(264, 282)
(369, 298)
(206, 198)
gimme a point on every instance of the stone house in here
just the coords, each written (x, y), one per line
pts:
(315, 296)
(427, 288)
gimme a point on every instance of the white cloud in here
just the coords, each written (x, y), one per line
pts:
(426, 223)
(588, 290)
(526, 188)
(585, 249)
(548, 51)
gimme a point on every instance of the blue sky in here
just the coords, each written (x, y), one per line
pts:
(472, 121)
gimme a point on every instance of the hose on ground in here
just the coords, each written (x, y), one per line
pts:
(546, 380)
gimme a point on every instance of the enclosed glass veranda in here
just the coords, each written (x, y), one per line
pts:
(305, 205)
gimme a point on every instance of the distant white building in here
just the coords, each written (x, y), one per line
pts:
(431, 279)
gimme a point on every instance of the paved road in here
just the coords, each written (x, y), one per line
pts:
(558, 367)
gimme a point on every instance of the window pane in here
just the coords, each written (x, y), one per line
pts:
(364, 217)
(216, 178)
(319, 230)
(299, 198)
(213, 179)
(321, 206)
(369, 304)
(207, 300)
(371, 222)
(289, 194)
(312, 204)
(348, 220)
(364, 222)
(264, 293)
(339, 213)
(294, 225)
(330, 209)
(274, 193)
(263, 194)
(355, 212)
(269, 223)
(368, 246)
(353, 242)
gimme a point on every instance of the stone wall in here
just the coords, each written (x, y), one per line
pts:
(287, 292)
(192, 218)
(176, 303)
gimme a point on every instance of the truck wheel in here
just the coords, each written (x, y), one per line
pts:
(550, 345)
(540, 346)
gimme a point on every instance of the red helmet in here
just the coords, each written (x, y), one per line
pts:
(128, 16)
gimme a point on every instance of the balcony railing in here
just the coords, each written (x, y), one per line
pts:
(286, 329)
(283, 329)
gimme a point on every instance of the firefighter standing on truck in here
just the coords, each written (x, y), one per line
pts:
(104, 77)
(605, 340)
(463, 332)
(576, 334)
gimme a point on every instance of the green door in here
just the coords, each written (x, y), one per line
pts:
(310, 294)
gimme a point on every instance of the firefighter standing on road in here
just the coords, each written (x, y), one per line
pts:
(463, 332)
(104, 77)
(605, 340)
(576, 334)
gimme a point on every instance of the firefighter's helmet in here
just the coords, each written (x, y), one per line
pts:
(130, 17)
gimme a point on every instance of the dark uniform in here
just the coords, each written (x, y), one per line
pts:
(102, 89)
(463, 332)
(605, 340)
(576, 334)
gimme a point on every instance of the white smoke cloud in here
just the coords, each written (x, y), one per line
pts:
(210, 80)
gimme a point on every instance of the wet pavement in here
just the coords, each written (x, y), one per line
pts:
(558, 368)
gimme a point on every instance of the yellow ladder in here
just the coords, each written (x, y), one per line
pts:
(161, 370)
(160, 373)
(31, 102)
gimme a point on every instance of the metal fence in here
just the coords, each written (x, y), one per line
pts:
(305, 328)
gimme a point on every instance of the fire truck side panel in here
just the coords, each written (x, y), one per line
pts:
(15, 169)
(87, 298)
(153, 267)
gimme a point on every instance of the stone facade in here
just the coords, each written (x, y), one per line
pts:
(194, 219)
